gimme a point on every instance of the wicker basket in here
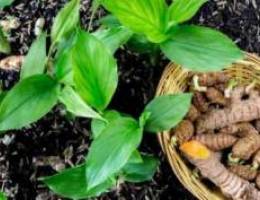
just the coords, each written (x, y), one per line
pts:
(174, 80)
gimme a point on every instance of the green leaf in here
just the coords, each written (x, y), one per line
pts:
(140, 44)
(63, 68)
(114, 38)
(3, 196)
(144, 118)
(66, 21)
(110, 21)
(136, 157)
(200, 49)
(4, 44)
(142, 171)
(76, 105)
(97, 125)
(166, 111)
(148, 17)
(95, 71)
(35, 60)
(63, 61)
(27, 102)
(4, 3)
(72, 183)
(183, 10)
(112, 149)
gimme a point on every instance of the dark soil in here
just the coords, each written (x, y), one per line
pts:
(56, 141)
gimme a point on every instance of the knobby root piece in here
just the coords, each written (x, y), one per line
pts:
(193, 113)
(246, 147)
(239, 92)
(215, 96)
(216, 142)
(210, 166)
(200, 102)
(213, 78)
(257, 181)
(257, 125)
(244, 171)
(244, 111)
(184, 131)
(240, 129)
(256, 160)
(12, 63)
(221, 87)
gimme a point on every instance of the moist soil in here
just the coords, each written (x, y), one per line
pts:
(58, 141)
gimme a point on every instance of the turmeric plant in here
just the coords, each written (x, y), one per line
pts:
(162, 25)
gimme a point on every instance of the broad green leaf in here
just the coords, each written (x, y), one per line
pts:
(148, 17)
(140, 44)
(4, 3)
(112, 149)
(95, 71)
(114, 38)
(183, 10)
(201, 49)
(72, 183)
(140, 172)
(136, 157)
(110, 21)
(2, 95)
(63, 60)
(27, 102)
(97, 125)
(144, 118)
(166, 111)
(76, 105)
(66, 21)
(35, 60)
(4, 44)
(3, 196)
(63, 68)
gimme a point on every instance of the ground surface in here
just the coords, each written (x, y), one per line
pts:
(56, 142)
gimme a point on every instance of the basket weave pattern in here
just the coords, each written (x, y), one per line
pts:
(175, 80)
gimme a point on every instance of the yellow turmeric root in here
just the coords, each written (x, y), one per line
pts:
(200, 102)
(257, 125)
(193, 113)
(243, 111)
(216, 142)
(240, 129)
(256, 160)
(215, 96)
(239, 94)
(244, 171)
(257, 181)
(208, 163)
(184, 131)
(246, 147)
